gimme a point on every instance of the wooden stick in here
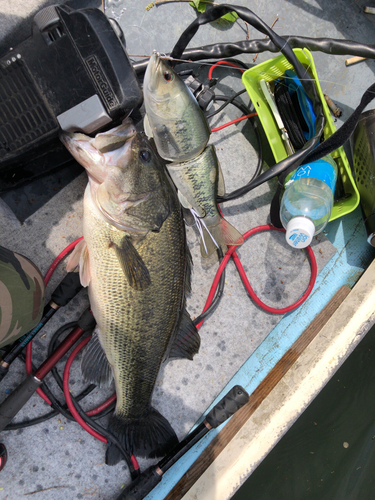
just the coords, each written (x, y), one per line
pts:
(354, 60)
(160, 2)
(272, 25)
(46, 489)
(369, 10)
(332, 106)
(257, 397)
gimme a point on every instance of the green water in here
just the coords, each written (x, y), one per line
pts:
(329, 453)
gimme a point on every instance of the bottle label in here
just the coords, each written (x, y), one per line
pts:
(297, 238)
(320, 169)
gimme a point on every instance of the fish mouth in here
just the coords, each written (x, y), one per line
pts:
(155, 74)
(156, 58)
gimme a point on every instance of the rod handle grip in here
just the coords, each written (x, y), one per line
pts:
(141, 486)
(17, 399)
(231, 402)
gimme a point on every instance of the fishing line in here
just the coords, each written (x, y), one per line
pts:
(223, 63)
(243, 190)
(229, 100)
(213, 64)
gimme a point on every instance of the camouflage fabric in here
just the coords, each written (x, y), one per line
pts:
(21, 296)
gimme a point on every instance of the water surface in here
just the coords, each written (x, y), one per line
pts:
(329, 453)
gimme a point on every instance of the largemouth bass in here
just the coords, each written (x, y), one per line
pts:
(197, 182)
(173, 116)
(180, 131)
(135, 262)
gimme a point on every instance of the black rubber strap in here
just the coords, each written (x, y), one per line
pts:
(293, 161)
(345, 131)
(251, 18)
(289, 116)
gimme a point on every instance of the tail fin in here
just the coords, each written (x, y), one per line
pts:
(219, 235)
(150, 436)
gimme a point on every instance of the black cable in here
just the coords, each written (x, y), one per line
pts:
(216, 51)
(58, 408)
(38, 420)
(218, 295)
(242, 190)
(293, 161)
(91, 420)
(229, 101)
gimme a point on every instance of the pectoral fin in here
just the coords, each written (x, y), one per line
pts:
(74, 257)
(147, 127)
(220, 182)
(84, 267)
(80, 258)
(132, 265)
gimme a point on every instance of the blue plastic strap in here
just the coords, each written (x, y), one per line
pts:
(294, 85)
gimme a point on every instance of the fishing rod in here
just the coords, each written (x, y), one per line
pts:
(61, 296)
(19, 397)
(235, 399)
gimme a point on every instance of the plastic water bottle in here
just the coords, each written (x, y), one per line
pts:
(307, 202)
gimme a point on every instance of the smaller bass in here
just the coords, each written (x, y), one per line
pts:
(179, 128)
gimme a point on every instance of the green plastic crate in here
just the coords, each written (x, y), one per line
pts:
(273, 69)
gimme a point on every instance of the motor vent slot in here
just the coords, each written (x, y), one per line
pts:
(24, 116)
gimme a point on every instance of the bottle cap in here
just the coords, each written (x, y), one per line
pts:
(299, 232)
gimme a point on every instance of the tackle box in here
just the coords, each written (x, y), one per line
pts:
(271, 70)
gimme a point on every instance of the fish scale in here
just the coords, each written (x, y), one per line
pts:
(136, 263)
(131, 319)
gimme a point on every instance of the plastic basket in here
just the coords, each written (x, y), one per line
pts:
(273, 69)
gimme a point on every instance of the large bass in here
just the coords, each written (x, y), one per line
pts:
(135, 261)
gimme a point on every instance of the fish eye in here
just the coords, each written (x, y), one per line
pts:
(168, 77)
(145, 155)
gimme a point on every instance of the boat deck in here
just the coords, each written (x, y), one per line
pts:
(241, 344)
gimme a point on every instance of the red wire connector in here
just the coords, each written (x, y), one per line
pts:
(3, 456)
(226, 63)
(234, 121)
(232, 253)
